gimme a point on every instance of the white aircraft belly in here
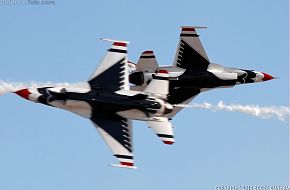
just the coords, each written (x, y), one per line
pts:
(78, 107)
(133, 114)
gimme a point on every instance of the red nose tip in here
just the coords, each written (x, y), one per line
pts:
(24, 93)
(267, 77)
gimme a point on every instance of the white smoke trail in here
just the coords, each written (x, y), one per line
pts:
(280, 112)
(6, 87)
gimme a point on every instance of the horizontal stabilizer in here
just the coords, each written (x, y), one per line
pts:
(163, 129)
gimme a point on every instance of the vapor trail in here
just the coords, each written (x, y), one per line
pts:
(6, 87)
(280, 112)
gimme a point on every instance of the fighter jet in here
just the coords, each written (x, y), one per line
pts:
(106, 99)
(192, 72)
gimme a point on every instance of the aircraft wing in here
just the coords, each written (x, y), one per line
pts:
(113, 68)
(117, 133)
(190, 53)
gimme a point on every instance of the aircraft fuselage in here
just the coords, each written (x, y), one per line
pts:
(215, 76)
(103, 103)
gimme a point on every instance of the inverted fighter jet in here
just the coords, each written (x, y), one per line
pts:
(109, 103)
(192, 72)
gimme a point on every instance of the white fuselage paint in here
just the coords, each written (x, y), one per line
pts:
(225, 76)
(78, 107)
(133, 114)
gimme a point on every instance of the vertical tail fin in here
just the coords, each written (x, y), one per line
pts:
(147, 62)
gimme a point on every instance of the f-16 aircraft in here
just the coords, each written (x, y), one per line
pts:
(109, 103)
(192, 72)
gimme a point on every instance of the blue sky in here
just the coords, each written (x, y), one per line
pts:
(45, 148)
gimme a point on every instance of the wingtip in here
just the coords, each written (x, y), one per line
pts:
(111, 40)
(196, 27)
(123, 166)
(169, 142)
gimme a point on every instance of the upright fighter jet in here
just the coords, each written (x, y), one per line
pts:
(109, 103)
(192, 72)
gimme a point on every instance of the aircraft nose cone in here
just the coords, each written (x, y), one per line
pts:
(24, 93)
(267, 77)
